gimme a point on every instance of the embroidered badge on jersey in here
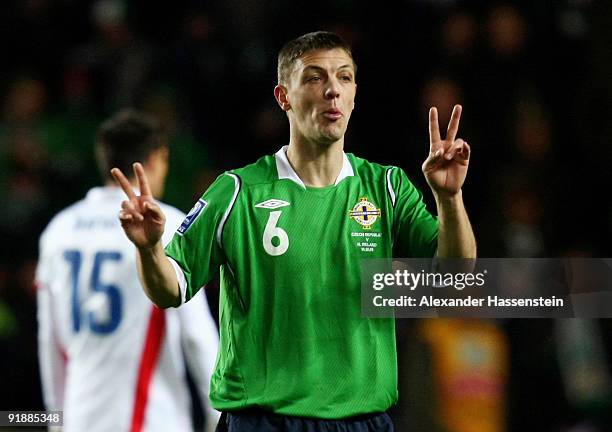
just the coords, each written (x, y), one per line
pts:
(191, 216)
(365, 213)
(272, 204)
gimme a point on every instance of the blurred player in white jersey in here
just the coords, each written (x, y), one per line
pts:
(110, 359)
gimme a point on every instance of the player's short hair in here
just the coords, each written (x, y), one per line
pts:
(127, 137)
(296, 48)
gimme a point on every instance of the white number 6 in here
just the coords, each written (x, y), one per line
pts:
(272, 231)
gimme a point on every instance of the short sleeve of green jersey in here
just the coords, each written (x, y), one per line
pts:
(414, 228)
(196, 245)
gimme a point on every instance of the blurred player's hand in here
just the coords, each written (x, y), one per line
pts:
(141, 218)
(446, 166)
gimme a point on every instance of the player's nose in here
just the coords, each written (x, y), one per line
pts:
(332, 91)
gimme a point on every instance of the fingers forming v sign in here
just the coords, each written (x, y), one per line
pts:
(130, 209)
(446, 166)
(140, 216)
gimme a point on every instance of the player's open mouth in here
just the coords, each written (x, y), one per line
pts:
(333, 114)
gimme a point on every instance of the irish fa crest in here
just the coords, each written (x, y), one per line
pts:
(365, 213)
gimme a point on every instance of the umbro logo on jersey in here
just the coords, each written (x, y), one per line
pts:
(191, 216)
(272, 204)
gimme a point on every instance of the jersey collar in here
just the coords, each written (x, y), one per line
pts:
(286, 171)
(104, 193)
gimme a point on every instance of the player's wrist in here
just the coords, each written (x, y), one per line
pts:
(448, 198)
(151, 250)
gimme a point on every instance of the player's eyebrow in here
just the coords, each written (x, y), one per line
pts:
(314, 68)
(347, 66)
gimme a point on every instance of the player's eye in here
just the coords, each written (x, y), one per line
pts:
(313, 78)
(346, 78)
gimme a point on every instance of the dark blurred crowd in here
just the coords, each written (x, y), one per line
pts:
(533, 78)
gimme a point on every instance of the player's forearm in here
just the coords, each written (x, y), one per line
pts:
(158, 277)
(455, 237)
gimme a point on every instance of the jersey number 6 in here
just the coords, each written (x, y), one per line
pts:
(272, 231)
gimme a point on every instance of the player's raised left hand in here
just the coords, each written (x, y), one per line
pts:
(446, 166)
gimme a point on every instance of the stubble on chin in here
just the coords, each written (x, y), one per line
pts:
(329, 135)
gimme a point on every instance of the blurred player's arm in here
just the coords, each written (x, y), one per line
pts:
(51, 358)
(445, 170)
(200, 341)
(143, 222)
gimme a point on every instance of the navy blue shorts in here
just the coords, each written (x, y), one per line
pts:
(263, 421)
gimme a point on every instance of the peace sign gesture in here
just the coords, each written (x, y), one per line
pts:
(141, 218)
(446, 166)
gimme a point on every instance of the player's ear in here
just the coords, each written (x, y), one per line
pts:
(157, 159)
(280, 94)
(163, 152)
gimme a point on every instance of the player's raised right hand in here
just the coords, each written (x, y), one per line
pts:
(141, 218)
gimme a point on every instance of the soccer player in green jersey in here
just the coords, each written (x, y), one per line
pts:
(288, 233)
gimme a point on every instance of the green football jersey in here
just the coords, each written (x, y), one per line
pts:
(293, 340)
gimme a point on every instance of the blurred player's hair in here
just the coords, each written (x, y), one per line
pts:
(296, 48)
(127, 137)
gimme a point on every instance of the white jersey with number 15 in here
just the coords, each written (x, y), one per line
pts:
(110, 359)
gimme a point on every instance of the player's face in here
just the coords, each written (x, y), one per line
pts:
(321, 95)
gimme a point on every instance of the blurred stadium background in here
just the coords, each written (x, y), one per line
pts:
(534, 78)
